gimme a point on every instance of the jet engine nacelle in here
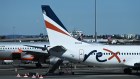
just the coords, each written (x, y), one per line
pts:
(52, 60)
(27, 57)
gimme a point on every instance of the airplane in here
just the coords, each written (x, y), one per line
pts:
(33, 51)
(64, 46)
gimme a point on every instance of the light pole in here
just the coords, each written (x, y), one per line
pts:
(95, 24)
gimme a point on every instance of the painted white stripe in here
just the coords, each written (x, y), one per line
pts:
(54, 23)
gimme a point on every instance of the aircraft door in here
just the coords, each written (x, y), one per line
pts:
(81, 54)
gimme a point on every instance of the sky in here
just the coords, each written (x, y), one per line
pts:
(24, 17)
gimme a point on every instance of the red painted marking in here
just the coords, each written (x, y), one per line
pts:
(20, 50)
(51, 26)
(113, 55)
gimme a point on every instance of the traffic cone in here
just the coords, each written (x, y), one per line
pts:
(33, 76)
(25, 76)
(41, 77)
(18, 75)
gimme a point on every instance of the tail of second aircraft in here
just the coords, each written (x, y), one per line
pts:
(57, 33)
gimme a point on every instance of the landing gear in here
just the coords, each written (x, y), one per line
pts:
(68, 69)
(38, 65)
(127, 70)
(72, 73)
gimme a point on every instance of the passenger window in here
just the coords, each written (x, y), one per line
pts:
(124, 53)
(134, 53)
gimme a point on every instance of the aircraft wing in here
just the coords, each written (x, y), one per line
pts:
(39, 56)
(57, 50)
(36, 53)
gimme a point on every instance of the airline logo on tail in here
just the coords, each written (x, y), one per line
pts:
(52, 22)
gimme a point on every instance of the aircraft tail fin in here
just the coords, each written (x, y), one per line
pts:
(57, 33)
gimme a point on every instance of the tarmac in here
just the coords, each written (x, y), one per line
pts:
(10, 72)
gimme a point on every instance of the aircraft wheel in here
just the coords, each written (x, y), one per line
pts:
(127, 71)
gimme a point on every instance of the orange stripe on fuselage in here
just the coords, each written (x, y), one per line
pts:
(51, 26)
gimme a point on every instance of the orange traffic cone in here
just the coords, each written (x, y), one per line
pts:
(18, 75)
(25, 76)
(41, 77)
(33, 76)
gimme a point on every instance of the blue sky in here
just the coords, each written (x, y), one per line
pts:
(113, 16)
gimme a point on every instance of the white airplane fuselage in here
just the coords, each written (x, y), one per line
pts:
(105, 55)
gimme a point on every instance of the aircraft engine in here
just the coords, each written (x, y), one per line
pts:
(27, 57)
(52, 60)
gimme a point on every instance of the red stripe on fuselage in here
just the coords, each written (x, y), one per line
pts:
(51, 26)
